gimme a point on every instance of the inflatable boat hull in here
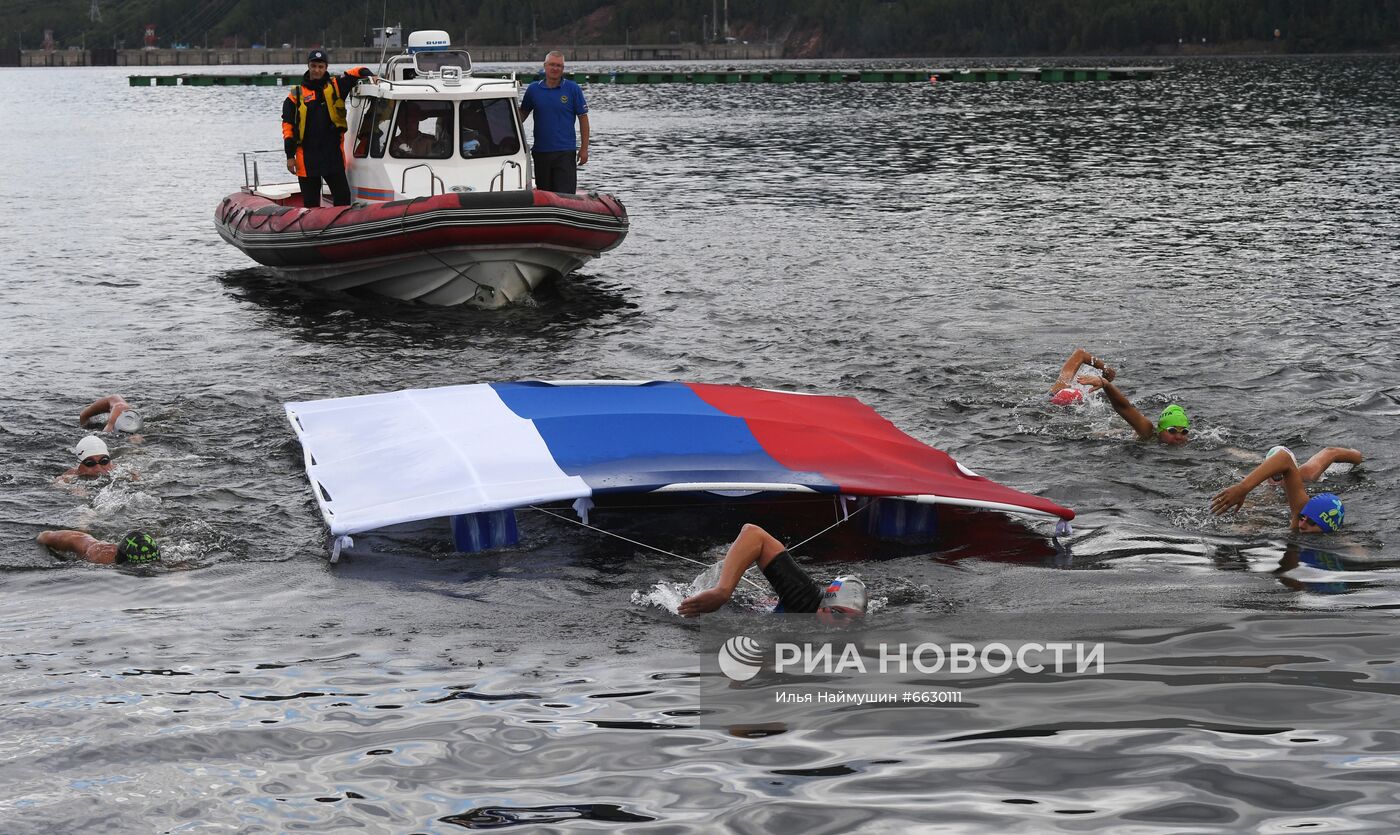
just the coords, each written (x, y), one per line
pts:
(482, 249)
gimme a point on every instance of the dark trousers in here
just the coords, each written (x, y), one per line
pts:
(311, 189)
(556, 171)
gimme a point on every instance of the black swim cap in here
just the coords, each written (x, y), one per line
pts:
(137, 547)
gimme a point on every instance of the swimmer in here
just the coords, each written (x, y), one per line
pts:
(1173, 427)
(1318, 464)
(135, 548)
(1322, 513)
(1064, 392)
(843, 599)
(120, 416)
(93, 459)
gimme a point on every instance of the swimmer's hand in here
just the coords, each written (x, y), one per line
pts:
(1109, 374)
(1231, 498)
(706, 601)
(1092, 381)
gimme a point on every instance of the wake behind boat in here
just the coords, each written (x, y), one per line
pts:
(445, 211)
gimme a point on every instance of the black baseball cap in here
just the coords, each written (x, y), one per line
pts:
(317, 55)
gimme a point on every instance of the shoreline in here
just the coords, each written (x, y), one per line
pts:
(631, 53)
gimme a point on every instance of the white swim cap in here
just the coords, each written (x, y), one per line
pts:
(1270, 454)
(90, 446)
(128, 421)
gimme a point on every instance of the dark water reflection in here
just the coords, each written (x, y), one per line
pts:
(1224, 234)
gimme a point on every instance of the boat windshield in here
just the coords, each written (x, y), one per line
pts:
(488, 128)
(427, 62)
(422, 130)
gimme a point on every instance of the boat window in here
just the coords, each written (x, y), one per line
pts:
(373, 135)
(435, 61)
(422, 130)
(488, 128)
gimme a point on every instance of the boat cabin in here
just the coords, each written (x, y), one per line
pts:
(429, 127)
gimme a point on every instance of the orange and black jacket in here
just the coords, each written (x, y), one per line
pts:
(313, 122)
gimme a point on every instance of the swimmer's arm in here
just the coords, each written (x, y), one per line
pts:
(1232, 497)
(106, 404)
(81, 544)
(1067, 371)
(1078, 358)
(1312, 470)
(752, 545)
(1294, 489)
(1127, 411)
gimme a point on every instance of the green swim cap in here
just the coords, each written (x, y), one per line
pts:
(1171, 416)
(137, 547)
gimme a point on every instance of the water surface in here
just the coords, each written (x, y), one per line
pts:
(1224, 235)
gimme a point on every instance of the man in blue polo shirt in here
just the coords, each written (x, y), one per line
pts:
(556, 102)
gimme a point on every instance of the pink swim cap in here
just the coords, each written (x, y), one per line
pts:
(1067, 397)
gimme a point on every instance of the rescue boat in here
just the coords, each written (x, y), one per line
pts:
(444, 208)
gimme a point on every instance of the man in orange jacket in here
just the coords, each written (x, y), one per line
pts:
(313, 129)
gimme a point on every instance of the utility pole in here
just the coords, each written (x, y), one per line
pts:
(726, 18)
(714, 17)
(94, 13)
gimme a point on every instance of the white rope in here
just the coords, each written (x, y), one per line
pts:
(844, 518)
(635, 542)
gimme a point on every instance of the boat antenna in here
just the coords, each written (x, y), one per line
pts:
(383, 36)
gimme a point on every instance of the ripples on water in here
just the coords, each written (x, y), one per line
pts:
(1225, 235)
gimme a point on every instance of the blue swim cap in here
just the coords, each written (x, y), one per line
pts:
(1324, 510)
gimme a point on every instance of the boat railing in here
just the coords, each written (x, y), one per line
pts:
(501, 175)
(252, 182)
(433, 185)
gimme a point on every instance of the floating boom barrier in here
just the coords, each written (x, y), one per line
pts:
(1048, 74)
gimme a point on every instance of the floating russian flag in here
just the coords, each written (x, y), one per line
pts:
(384, 459)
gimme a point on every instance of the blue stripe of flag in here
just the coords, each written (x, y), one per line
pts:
(643, 437)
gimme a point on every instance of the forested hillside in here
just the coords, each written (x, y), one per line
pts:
(807, 28)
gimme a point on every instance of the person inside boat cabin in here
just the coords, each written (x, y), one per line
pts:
(409, 139)
(556, 103)
(1173, 427)
(134, 548)
(798, 593)
(313, 129)
(1322, 513)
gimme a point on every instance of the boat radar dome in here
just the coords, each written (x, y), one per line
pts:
(429, 40)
